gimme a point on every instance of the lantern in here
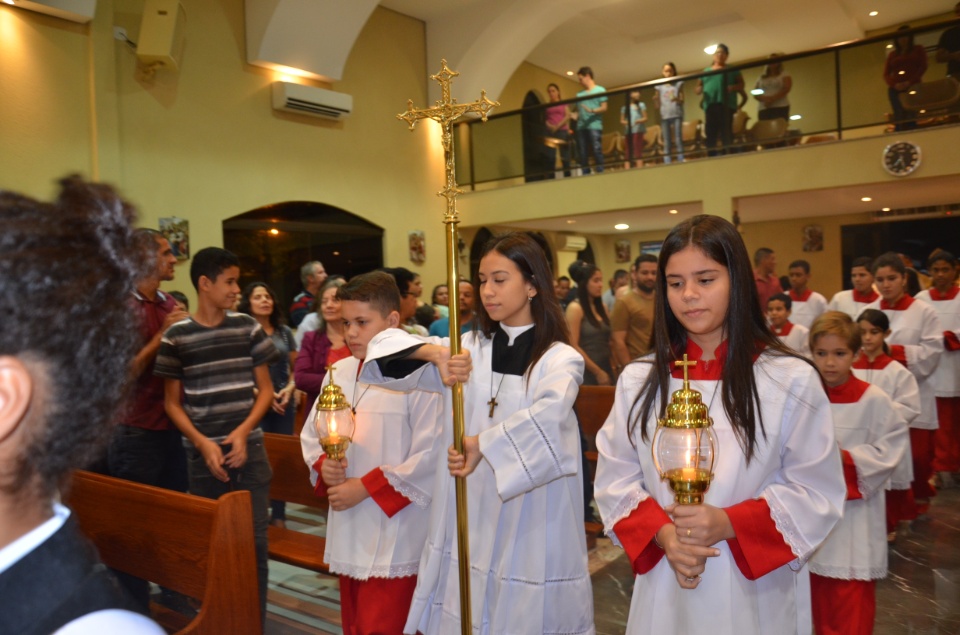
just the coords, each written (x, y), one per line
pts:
(334, 420)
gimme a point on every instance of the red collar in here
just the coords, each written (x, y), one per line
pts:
(800, 298)
(849, 391)
(709, 370)
(865, 298)
(902, 304)
(784, 331)
(939, 297)
(882, 361)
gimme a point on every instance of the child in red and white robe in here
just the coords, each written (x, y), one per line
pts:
(916, 341)
(796, 336)
(944, 297)
(872, 436)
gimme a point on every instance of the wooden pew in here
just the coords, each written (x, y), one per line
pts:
(291, 483)
(592, 406)
(199, 547)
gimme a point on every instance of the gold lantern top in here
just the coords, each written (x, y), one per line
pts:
(331, 397)
(334, 420)
(686, 408)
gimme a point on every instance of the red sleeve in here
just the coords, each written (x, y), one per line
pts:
(306, 378)
(382, 492)
(950, 341)
(850, 476)
(899, 353)
(636, 533)
(758, 548)
(320, 489)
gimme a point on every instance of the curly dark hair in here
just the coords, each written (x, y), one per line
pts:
(276, 316)
(67, 270)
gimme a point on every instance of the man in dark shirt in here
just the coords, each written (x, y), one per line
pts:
(312, 275)
(948, 48)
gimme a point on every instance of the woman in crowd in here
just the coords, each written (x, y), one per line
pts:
(558, 125)
(905, 66)
(776, 85)
(259, 301)
(589, 327)
(440, 299)
(322, 347)
(668, 98)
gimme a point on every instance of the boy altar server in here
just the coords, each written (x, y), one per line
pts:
(807, 304)
(380, 492)
(854, 301)
(795, 336)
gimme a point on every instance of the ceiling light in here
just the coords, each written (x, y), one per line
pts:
(336, 253)
(796, 117)
(866, 199)
(621, 226)
(7, 1)
(873, 14)
(710, 50)
(570, 73)
(756, 91)
(570, 221)
(674, 211)
(275, 231)
(885, 209)
(889, 46)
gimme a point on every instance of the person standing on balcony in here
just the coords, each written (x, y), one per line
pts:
(590, 120)
(775, 84)
(668, 98)
(905, 66)
(948, 48)
(720, 91)
(558, 126)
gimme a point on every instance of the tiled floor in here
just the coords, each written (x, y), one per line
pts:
(921, 595)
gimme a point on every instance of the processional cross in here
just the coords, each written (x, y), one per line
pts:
(446, 111)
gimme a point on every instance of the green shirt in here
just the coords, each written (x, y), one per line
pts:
(713, 87)
(590, 120)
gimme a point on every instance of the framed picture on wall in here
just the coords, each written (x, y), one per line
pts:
(177, 232)
(623, 250)
(418, 246)
(813, 238)
(652, 247)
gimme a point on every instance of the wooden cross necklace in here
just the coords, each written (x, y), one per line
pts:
(493, 403)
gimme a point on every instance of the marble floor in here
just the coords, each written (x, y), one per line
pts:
(920, 596)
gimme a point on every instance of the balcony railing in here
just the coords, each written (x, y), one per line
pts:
(838, 92)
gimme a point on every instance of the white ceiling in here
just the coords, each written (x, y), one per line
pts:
(627, 41)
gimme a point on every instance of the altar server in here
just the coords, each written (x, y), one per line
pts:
(807, 304)
(875, 366)
(734, 564)
(872, 437)
(916, 341)
(380, 492)
(853, 301)
(944, 297)
(794, 336)
(522, 459)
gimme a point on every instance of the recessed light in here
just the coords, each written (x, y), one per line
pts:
(866, 199)
(674, 211)
(570, 73)
(621, 226)
(336, 253)
(885, 209)
(873, 14)
(796, 117)
(571, 221)
(710, 50)
(275, 231)
(889, 46)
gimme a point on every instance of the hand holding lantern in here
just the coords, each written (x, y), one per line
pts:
(334, 420)
(684, 445)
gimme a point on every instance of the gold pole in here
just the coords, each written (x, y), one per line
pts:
(445, 112)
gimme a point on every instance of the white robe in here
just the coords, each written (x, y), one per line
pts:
(876, 436)
(946, 378)
(845, 302)
(900, 386)
(917, 329)
(798, 339)
(796, 469)
(395, 431)
(525, 499)
(804, 312)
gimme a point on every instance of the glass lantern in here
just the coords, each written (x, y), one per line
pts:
(334, 420)
(684, 445)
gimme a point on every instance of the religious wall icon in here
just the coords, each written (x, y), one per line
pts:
(177, 232)
(418, 246)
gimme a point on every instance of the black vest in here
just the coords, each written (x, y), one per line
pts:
(58, 582)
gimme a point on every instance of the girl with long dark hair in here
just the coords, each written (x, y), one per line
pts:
(521, 458)
(778, 485)
(590, 327)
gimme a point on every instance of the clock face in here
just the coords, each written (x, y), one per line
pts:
(901, 158)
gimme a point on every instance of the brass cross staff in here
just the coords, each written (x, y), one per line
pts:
(446, 112)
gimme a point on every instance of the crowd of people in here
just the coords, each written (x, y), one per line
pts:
(723, 94)
(831, 438)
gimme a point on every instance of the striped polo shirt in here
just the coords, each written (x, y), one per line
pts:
(215, 365)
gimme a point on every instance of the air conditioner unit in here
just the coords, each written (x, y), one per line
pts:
(572, 243)
(309, 100)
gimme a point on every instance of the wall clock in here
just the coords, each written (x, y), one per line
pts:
(901, 158)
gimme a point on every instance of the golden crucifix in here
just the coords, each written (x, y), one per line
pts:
(446, 112)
